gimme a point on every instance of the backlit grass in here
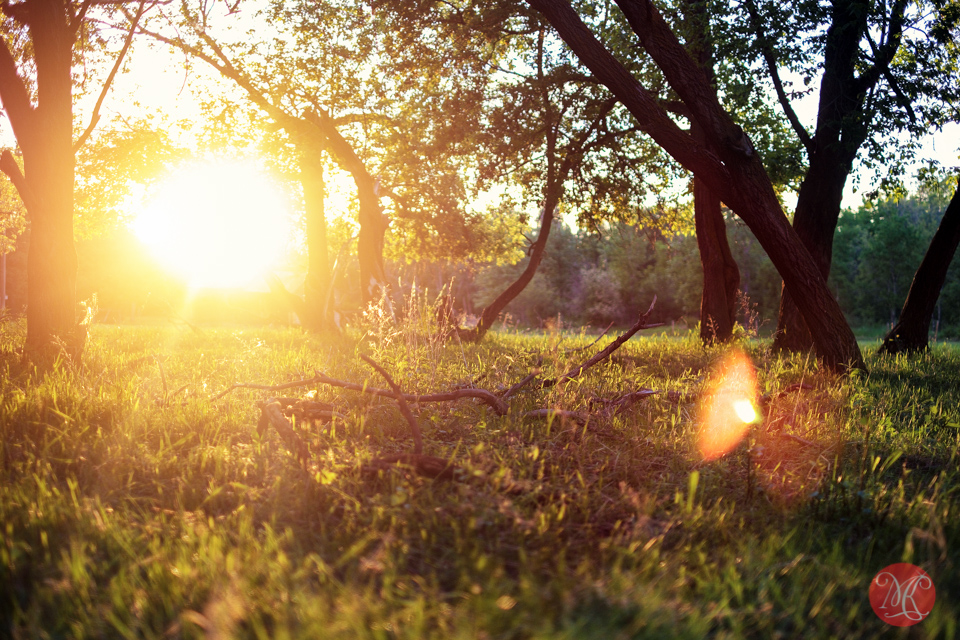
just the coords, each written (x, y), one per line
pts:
(133, 505)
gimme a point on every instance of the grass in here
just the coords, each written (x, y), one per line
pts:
(133, 505)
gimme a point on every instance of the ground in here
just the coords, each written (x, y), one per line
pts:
(137, 504)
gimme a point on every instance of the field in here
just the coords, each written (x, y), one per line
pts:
(137, 504)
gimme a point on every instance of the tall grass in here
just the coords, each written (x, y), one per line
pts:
(134, 505)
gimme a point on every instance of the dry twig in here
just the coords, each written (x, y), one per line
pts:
(483, 395)
(603, 355)
(404, 408)
(271, 414)
(427, 466)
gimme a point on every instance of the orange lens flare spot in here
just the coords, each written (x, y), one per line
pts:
(729, 406)
(745, 411)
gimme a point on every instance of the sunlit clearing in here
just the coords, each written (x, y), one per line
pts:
(216, 224)
(728, 407)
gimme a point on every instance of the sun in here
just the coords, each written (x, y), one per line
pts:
(217, 224)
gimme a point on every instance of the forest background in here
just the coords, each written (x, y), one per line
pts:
(593, 278)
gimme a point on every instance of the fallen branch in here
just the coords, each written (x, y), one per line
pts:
(546, 414)
(624, 402)
(404, 409)
(266, 387)
(271, 415)
(427, 466)
(309, 410)
(585, 347)
(483, 395)
(603, 355)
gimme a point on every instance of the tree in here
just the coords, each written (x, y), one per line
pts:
(37, 95)
(330, 77)
(911, 332)
(552, 134)
(721, 277)
(885, 68)
(728, 162)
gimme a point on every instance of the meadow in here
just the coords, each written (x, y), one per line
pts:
(136, 503)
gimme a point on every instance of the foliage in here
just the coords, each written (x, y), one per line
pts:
(132, 507)
(903, 65)
(878, 248)
(117, 167)
(612, 277)
(13, 216)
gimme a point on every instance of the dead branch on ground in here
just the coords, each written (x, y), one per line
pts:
(483, 395)
(271, 414)
(404, 408)
(641, 323)
(427, 466)
(585, 347)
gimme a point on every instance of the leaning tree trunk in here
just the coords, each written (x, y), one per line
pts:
(318, 256)
(729, 164)
(815, 221)
(492, 311)
(841, 130)
(912, 331)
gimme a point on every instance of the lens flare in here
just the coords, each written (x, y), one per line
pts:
(745, 411)
(728, 407)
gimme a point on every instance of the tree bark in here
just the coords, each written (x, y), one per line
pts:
(912, 332)
(318, 255)
(721, 276)
(44, 134)
(842, 127)
(815, 221)
(492, 311)
(727, 163)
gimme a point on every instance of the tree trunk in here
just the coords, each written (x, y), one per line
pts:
(318, 256)
(912, 332)
(492, 311)
(841, 130)
(373, 223)
(721, 276)
(728, 164)
(815, 221)
(45, 136)
(373, 227)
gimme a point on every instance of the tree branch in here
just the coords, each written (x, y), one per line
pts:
(404, 409)
(9, 166)
(603, 355)
(15, 97)
(76, 19)
(766, 50)
(882, 62)
(271, 414)
(884, 54)
(95, 117)
(483, 395)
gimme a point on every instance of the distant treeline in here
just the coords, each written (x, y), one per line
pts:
(598, 279)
